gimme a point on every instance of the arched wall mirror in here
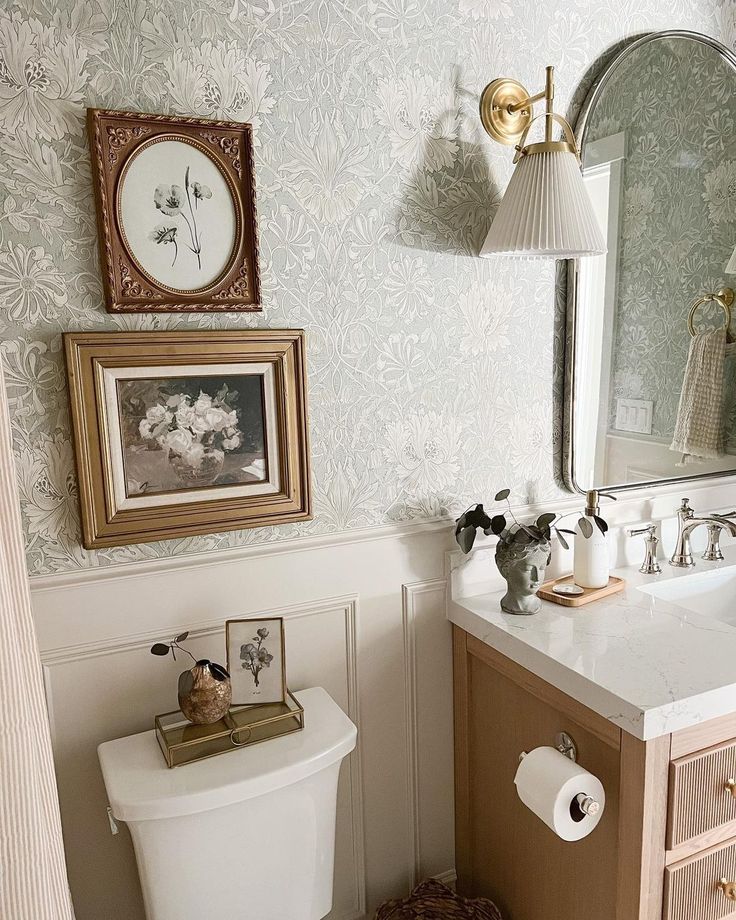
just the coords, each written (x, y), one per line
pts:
(658, 141)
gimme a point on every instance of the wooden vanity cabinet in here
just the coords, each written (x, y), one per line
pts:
(666, 838)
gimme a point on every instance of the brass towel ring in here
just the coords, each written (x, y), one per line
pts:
(724, 298)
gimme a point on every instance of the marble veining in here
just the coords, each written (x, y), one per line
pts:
(645, 664)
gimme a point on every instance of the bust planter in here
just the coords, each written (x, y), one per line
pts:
(523, 551)
(522, 564)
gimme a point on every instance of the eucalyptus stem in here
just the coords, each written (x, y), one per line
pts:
(181, 648)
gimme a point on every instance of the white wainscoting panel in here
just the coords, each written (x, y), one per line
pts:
(364, 619)
(428, 676)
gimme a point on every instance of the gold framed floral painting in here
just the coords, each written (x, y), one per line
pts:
(175, 212)
(183, 433)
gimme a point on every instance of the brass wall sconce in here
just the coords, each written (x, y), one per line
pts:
(546, 211)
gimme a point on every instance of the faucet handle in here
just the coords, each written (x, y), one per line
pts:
(650, 566)
(651, 529)
(685, 505)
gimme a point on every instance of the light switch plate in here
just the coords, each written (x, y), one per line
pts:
(634, 415)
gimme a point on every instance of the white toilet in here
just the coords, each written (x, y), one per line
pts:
(249, 834)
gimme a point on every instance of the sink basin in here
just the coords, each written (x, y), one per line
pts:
(711, 594)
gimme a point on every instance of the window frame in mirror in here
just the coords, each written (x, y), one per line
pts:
(571, 277)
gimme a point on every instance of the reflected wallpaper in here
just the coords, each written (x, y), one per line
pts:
(676, 107)
(430, 371)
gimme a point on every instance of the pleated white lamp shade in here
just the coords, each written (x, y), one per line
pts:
(546, 211)
(731, 267)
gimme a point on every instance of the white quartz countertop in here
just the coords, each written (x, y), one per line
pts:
(645, 664)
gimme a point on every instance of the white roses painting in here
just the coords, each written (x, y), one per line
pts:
(191, 432)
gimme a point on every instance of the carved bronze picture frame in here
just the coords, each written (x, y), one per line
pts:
(176, 213)
(183, 433)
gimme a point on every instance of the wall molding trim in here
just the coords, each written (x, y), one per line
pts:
(348, 606)
(623, 513)
(409, 593)
(167, 564)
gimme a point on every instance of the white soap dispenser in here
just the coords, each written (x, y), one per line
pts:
(590, 562)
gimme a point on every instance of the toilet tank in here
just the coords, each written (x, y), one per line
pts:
(249, 834)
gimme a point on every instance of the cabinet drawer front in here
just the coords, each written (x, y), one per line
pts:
(699, 800)
(691, 889)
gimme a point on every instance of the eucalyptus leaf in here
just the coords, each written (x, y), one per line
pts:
(546, 519)
(160, 649)
(182, 636)
(218, 672)
(502, 495)
(601, 524)
(563, 542)
(466, 538)
(498, 524)
(477, 517)
(586, 528)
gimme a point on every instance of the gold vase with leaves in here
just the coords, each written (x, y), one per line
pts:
(205, 692)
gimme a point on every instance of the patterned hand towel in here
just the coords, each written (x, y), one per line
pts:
(699, 426)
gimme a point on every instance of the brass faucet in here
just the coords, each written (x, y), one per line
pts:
(686, 524)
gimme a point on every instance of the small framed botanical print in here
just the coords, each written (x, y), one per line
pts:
(182, 433)
(176, 212)
(256, 660)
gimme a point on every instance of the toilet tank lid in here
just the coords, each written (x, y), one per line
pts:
(140, 787)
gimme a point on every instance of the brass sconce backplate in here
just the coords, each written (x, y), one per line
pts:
(496, 103)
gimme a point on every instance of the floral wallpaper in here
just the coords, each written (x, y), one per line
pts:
(676, 105)
(431, 371)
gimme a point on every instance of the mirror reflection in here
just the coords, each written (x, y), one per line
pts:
(653, 366)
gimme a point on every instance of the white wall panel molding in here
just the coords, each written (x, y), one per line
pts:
(166, 565)
(629, 507)
(82, 713)
(427, 707)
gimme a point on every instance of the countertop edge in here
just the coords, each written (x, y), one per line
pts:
(644, 723)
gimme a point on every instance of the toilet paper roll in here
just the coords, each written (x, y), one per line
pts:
(548, 783)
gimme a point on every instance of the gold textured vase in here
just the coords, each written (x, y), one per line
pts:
(205, 693)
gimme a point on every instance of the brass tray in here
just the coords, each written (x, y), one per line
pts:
(181, 742)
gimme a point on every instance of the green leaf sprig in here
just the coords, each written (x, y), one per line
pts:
(476, 518)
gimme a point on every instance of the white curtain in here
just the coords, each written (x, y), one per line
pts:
(33, 882)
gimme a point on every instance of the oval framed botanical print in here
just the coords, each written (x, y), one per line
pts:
(179, 214)
(176, 212)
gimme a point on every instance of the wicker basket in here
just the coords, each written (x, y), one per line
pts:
(434, 901)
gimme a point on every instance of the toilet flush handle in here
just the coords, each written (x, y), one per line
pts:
(114, 829)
